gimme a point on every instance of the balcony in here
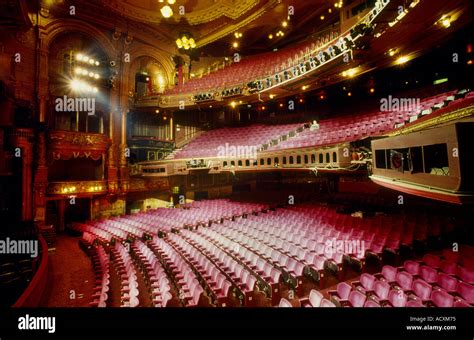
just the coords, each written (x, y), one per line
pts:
(68, 188)
(67, 144)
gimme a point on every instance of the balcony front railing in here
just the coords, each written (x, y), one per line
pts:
(77, 187)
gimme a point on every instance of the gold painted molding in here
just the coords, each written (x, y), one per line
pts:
(232, 28)
(228, 8)
(444, 118)
(76, 187)
(215, 10)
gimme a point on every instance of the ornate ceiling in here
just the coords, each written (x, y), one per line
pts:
(195, 11)
(211, 20)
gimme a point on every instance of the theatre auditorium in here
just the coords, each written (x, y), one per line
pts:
(224, 153)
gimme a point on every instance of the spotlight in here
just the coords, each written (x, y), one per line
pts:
(284, 24)
(75, 85)
(349, 94)
(171, 2)
(372, 90)
(91, 74)
(79, 57)
(96, 76)
(97, 63)
(77, 70)
(270, 36)
(91, 61)
(235, 44)
(84, 72)
(233, 104)
(85, 59)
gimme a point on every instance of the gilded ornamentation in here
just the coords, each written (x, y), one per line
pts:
(444, 118)
(74, 187)
(209, 11)
(67, 144)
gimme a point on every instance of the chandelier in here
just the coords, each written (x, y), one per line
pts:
(185, 42)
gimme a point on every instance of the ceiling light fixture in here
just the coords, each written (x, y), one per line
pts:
(185, 42)
(402, 60)
(166, 11)
(445, 21)
(392, 52)
(350, 72)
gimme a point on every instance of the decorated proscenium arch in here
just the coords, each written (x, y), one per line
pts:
(67, 26)
(65, 40)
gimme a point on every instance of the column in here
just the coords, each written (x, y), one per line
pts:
(22, 139)
(124, 176)
(111, 160)
(40, 180)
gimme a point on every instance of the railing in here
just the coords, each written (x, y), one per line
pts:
(73, 140)
(32, 295)
(318, 158)
(77, 187)
(324, 54)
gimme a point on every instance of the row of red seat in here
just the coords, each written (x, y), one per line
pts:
(155, 274)
(126, 271)
(217, 284)
(101, 264)
(416, 284)
(330, 131)
(164, 219)
(211, 143)
(355, 127)
(252, 67)
(258, 253)
(190, 289)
